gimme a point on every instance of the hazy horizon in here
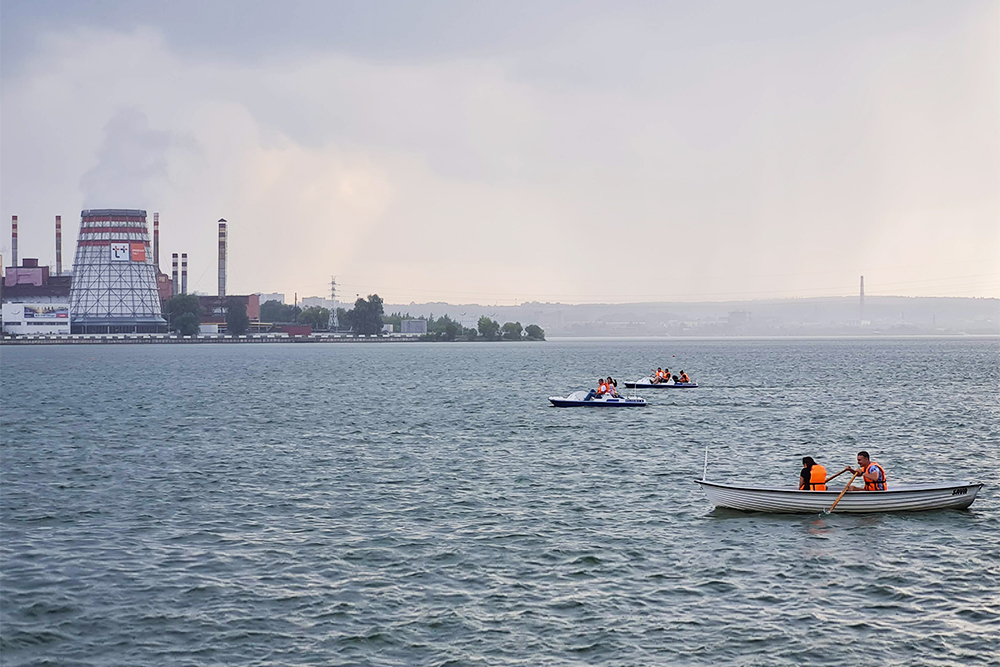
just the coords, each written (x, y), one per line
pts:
(555, 152)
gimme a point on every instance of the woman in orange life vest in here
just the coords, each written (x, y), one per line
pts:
(611, 387)
(813, 475)
(872, 473)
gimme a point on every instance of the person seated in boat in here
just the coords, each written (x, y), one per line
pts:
(813, 475)
(658, 378)
(602, 388)
(612, 387)
(872, 473)
(684, 377)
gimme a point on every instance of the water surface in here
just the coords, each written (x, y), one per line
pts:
(422, 504)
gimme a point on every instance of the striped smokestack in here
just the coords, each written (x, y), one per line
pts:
(222, 257)
(13, 240)
(176, 285)
(156, 241)
(184, 273)
(58, 245)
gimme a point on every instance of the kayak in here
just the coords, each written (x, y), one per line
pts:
(645, 383)
(578, 399)
(958, 495)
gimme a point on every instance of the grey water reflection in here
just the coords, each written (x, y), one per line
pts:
(287, 505)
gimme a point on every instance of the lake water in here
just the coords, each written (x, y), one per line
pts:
(422, 504)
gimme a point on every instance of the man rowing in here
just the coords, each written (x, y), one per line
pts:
(872, 473)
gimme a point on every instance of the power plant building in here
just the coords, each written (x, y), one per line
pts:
(114, 287)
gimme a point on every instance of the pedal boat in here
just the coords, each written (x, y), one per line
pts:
(647, 383)
(790, 501)
(578, 400)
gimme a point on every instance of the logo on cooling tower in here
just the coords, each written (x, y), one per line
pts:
(120, 252)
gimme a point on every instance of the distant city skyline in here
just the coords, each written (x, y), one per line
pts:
(572, 152)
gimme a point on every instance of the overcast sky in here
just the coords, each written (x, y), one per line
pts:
(493, 152)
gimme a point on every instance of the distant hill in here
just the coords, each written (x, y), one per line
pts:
(821, 316)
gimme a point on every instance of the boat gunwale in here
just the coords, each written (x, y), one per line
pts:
(900, 489)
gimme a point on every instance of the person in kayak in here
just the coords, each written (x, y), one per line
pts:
(872, 473)
(813, 475)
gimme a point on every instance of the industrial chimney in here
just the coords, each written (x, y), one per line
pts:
(174, 276)
(222, 257)
(862, 309)
(156, 241)
(58, 245)
(184, 273)
(13, 240)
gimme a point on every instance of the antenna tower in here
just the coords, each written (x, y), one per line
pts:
(333, 303)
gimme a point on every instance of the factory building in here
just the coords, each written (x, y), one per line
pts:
(34, 301)
(114, 286)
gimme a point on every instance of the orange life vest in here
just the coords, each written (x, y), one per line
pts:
(685, 378)
(817, 479)
(659, 374)
(602, 389)
(878, 485)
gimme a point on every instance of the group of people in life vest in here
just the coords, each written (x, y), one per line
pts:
(813, 476)
(663, 375)
(608, 387)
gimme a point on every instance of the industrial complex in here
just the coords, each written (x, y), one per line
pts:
(116, 285)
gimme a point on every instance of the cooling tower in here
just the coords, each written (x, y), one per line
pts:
(114, 280)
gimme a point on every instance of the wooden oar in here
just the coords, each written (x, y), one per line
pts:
(842, 493)
(837, 475)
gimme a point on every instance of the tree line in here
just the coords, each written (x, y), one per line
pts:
(367, 317)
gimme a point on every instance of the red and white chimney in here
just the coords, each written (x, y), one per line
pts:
(13, 240)
(58, 245)
(156, 241)
(222, 257)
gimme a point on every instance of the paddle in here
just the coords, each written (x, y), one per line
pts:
(842, 493)
(836, 476)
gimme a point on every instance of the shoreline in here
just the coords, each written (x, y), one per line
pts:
(164, 339)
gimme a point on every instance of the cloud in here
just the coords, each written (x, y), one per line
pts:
(761, 168)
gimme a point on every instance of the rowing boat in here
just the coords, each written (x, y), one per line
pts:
(895, 499)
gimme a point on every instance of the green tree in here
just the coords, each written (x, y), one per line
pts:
(275, 311)
(469, 334)
(178, 306)
(188, 324)
(534, 332)
(237, 322)
(366, 316)
(315, 316)
(489, 329)
(512, 331)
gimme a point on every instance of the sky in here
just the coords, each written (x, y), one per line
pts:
(498, 152)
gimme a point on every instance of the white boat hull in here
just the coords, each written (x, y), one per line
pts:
(899, 499)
